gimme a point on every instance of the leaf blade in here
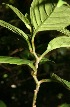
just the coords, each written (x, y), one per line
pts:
(37, 13)
(56, 15)
(58, 42)
(59, 19)
(17, 61)
(62, 41)
(13, 29)
(20, 15)
(64, 82)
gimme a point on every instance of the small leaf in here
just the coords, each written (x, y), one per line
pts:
(2, 104)
(58, 42)
(45, 60)
(17, 61)
(13, 29)
(58, 79)
(20, 15)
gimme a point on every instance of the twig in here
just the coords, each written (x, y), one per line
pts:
(35, 94)
(6, 68)
(38, 83)
(15, 51)
(34, 73)
(45, 80)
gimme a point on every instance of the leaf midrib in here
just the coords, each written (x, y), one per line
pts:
(43, 21)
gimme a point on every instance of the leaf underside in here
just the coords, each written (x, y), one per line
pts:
(48, 16)
(58, 42)
(17, 61)
(58, 79)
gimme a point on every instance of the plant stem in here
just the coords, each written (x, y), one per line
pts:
(29, 45)
(36, 57)
(43, 55)
(36, 90)
(33, 45)
(32, 41)
(34, 74)
(45, 80)
(35, 94)
(38, 83)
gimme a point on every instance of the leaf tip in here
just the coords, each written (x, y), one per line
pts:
(61, 2)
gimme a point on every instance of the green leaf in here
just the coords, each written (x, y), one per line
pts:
(17, 61)
(57, 42)
(58, 79)
(45, 60)
(20, 15)
(39, 11)
(65, 105)
(13, 29)
(60, 3)
(65, 31)
(49, 16)
(2, 104)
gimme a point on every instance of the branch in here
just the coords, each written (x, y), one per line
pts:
(35, 94)
(45, 80)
